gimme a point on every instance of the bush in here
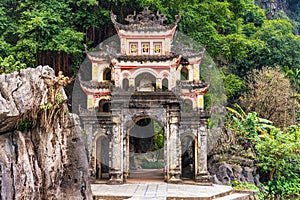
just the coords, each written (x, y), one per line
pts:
(10, 64)
(287, 187)
(277, 152)
(152, 165)
(246, 186)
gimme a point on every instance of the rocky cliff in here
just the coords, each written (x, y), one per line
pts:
(229, 161)
(272, 7)
(282, 9)
(42, 155)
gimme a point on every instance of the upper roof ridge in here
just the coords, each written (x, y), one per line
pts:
(145, 21)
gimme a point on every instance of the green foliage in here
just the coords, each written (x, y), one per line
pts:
(281, 44)
(235, 32)
(4, 47)
(10, 64)
(248, 125)
(152, 165)
(67, 40)
(159, 136)
(48, 106)
(37, 27)
(287, 187)
(247, 186)
(24, 125)
(276, 150)
(215, 98)
(294, 75)
(234, 86)
(59, 98)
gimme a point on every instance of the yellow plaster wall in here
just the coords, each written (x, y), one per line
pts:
(95, 71)
(200, 101)
(196, 73)
(90, 102)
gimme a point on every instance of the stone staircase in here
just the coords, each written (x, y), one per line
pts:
(232, 195)
(235, 196)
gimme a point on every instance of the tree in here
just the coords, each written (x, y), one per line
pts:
(282, 47)
(269, 95)
(294, 75)
(276, 151)
(234, 87)
(278, 155)
(247, 125)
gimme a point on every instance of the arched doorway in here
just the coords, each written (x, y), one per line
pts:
(146, 149)
(184, 74)
(145, 82)
(102, 157)
(187, 106)
(125, 84)
(104, 105)
(107, 74)
(165, 84)
(187, 157)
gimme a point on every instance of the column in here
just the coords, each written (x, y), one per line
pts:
(116, 150)
(191, 72)
(88, 128)
(174, 146)
(202, 174)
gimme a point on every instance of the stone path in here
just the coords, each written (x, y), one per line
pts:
(157, 191)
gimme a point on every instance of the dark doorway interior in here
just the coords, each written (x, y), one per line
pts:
(102, 159)
(188, 157)
(107, 74)
(146, 156)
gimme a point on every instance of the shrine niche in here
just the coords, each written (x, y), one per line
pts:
(148, 99)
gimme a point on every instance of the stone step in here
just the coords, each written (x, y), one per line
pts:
(159, 191)
(235, 196)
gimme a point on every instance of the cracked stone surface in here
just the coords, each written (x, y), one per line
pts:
(39, 162)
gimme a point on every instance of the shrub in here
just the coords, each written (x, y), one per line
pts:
(247, 186)
(152, 165)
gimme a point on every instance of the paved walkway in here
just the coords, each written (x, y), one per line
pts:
(156, 191)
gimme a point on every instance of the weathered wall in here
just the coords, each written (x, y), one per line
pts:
(47, 159)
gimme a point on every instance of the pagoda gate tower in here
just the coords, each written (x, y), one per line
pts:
(143, 80)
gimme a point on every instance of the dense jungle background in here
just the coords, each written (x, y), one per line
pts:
(255, 45)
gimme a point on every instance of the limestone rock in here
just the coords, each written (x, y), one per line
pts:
(21, 93)
(226, 169)
(272, 7)
(39, 162)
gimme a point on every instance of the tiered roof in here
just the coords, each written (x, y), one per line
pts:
(144, 24)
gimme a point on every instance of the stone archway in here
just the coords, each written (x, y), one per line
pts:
(102, 157)
(146, 149)
(188, 157)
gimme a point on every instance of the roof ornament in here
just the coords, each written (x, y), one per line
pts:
(113, 17)
(177, 18)
(145, 20)
(161, 18)
(145, 17)
(130, 18)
